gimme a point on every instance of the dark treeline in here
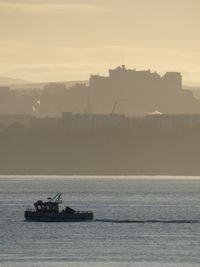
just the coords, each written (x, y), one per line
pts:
(141, 146)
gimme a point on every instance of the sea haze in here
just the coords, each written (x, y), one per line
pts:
(138, 222)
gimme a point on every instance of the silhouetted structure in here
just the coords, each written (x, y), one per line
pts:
(140, 92)
(135, 92)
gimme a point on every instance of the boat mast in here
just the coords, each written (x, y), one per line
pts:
(56, 199)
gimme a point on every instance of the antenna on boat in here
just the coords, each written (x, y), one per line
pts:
(56, 199)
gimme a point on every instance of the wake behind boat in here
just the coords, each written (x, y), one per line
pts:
(49, 212)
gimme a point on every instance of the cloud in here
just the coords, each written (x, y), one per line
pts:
(23, 60)
(50, 8)
(140, 57)
(50, 71)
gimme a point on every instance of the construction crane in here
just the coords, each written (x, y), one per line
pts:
(114, 108)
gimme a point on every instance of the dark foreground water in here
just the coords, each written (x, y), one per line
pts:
(140, 222)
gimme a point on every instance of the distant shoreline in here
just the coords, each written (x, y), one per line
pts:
(134, 177)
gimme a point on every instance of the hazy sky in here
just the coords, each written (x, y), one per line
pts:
(46, 40)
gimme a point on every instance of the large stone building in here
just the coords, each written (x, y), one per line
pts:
(140, 92)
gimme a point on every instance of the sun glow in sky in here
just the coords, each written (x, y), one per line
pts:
(48, 40)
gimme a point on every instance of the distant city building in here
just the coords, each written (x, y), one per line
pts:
(52, 88)
(138, 79)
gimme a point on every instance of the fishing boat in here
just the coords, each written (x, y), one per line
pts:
(49, 211)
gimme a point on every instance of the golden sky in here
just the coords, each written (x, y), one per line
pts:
(49, 40)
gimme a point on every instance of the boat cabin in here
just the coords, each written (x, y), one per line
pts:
(46, 206)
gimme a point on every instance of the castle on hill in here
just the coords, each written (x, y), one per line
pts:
(141, 92)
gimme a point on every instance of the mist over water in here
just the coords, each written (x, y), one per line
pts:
(164, 228)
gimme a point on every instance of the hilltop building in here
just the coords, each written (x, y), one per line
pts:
(140, 92)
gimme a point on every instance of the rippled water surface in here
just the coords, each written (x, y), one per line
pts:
(139, 222)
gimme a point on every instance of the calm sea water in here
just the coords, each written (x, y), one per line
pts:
(115, 239)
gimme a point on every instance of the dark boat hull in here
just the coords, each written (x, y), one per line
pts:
(58, 217)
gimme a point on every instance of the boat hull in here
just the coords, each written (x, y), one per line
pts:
(58, 217)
